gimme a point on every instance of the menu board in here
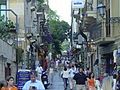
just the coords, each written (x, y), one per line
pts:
(22, 77)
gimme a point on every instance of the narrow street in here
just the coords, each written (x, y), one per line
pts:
(57, 83)
(41, 38)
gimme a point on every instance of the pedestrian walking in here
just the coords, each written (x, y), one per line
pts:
(80, 79)
(45, 64)
(39, 71)
(65, 75)
(97, 84)
(9, 84)
(33, 84)
(118, 81)
(91, 82)
(57, 64)
(87, 72)
(114, 81)
(107, 82)
(51, 74)
(71, 75)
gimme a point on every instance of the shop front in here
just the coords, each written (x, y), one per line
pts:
(108, 63)
(107, 59)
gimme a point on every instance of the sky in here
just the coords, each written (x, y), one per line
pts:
(62, 8)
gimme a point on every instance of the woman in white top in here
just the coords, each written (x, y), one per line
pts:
(97, 84)
(51, 74)
(65, 75)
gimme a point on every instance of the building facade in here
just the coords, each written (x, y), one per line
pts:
(103, 34)
(30, 15)
(7, 51)
(78, 39)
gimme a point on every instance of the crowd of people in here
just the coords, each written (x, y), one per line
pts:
(78, 78)
(73, 75)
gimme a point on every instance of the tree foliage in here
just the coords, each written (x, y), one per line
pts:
(52, 15)
(40, 5)
(3, 29)
(40, 1)
(65, 45)
(58, 29)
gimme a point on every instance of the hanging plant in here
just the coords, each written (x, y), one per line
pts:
(6, 28)
(11, 27)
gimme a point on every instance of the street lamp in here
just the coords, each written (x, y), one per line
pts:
(101, 9)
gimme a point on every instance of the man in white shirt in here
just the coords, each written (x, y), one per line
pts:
(72, 72)
(33, 84)
(39, 71)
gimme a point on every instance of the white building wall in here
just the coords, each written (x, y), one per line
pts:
(2, 69)
(9, 55)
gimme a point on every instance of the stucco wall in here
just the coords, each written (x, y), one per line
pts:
(7, 55)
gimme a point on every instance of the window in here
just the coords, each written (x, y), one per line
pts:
(2, 12)
(3, 5)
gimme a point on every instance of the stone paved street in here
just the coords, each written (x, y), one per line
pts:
(57, 83)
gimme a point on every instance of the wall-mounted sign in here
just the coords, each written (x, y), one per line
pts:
(77, 4)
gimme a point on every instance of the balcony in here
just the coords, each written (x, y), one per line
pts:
(100, 34)
(88, 22)
(91, 13)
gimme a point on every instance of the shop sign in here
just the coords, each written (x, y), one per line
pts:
(77, 4)
(22, 77)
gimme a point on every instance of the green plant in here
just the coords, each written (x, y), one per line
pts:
(10, 24)
(40, 4)
(40, 1)
(5, 28)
